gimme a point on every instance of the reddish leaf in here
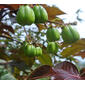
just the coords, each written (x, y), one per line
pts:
(62, 71)
(57, 21)
(41, 72)
(66, 71)
(52, 11)
(5, 33)
(41, 26)
(10, 6)
(5, 36)
(82, 73)
(9, 28)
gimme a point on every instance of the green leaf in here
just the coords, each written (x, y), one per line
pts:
(74, 48)
(45, 59)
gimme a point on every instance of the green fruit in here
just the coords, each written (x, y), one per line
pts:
(38, 51)
(52, 47)
(25, 15)
(30, 50)
(52, 34)
(69, 34)
(41, 14)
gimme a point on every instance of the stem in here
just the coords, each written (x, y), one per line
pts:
(25, 30)
(25, 33)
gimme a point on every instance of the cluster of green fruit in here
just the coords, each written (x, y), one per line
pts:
(52, 35)
(69, 35)
(31, 50)
(26, 15)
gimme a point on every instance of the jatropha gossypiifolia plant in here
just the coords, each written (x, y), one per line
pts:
(35, 56)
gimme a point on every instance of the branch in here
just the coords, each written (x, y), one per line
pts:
(26, 33)
(73, 23)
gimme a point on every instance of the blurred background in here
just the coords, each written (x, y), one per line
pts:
(75, 10)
